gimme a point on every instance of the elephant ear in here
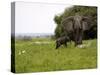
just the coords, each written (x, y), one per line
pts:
(86, 23)
(67, 24)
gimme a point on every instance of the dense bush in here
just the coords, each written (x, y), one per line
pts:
(88, 11)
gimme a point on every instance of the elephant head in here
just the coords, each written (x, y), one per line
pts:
(74, 26)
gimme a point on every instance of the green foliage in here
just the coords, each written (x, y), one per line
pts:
(58, 19)
(87, 11)
(58, 29)
(35, 57)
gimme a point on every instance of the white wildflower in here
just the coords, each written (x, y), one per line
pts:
(23, 51)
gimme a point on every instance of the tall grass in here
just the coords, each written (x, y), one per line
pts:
(33, 57)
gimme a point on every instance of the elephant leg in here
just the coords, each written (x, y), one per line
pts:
(57, 45)
(65, 44)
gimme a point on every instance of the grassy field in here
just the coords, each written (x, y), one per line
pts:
(40, 55)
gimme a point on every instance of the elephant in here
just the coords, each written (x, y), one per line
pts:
(74, 26)
(62, 41)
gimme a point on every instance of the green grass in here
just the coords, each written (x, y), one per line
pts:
(44, 57)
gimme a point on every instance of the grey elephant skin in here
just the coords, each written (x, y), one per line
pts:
(62, 41)
(74, 26)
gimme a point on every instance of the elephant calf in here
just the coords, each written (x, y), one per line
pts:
(62, 41)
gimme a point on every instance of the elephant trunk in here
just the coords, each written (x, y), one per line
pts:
(78, 36)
